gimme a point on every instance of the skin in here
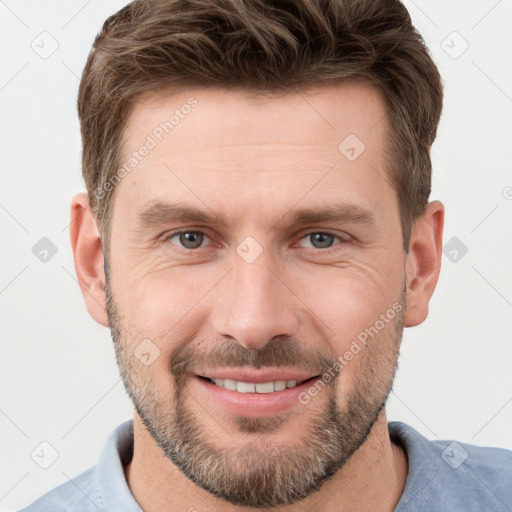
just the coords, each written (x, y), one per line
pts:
(251, 161)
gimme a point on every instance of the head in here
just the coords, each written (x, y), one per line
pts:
(299, 133)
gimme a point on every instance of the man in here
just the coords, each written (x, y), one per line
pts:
(256, 233)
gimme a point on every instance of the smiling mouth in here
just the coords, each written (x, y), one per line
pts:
(256, 387)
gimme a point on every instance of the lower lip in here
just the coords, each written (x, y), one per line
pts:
(253, 404)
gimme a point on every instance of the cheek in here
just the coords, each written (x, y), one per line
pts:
(163, 306)
(346, 301)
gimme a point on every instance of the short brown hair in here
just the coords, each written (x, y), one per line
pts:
(261, 46)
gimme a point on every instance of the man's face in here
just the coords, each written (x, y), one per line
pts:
(257, 296)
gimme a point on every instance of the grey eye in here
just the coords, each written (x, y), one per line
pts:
(189, 239)
(321, 240)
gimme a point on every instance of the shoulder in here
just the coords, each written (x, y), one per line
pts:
(461, 476)
(78, 494)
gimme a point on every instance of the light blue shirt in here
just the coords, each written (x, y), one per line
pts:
(443, 476)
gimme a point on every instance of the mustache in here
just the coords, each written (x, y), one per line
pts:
(279, 352)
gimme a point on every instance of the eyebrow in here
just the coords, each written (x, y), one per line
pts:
(158, 213)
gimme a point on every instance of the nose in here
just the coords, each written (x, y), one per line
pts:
(256, 304)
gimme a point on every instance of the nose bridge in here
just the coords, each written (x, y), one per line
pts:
(257, 305)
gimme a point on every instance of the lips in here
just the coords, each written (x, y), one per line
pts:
(246, 392)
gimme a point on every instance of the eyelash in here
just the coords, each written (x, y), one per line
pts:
(327, 249)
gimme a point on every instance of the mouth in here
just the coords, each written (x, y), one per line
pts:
(271, 386)
(251, 392)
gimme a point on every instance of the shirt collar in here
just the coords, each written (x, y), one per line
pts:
(110, 478)
(420, 472)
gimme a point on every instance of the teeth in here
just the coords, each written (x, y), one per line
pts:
(245, 387)
(279, 385)
(265, 387)
(229, 384)
(251, 387)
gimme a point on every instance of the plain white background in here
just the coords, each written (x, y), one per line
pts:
(59, 380)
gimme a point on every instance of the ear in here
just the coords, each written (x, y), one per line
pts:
(423, 263)
(88, 256)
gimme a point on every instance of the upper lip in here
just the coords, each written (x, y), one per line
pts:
(256, 376)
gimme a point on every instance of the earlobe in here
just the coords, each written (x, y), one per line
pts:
(423, 263)
(88, 256)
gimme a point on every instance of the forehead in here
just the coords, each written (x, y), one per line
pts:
(240, 118)
(228, 149)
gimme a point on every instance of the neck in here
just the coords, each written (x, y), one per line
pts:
(372, 479)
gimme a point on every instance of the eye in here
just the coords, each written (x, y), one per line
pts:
(321, 240)
(188, 239)
(194, 239)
